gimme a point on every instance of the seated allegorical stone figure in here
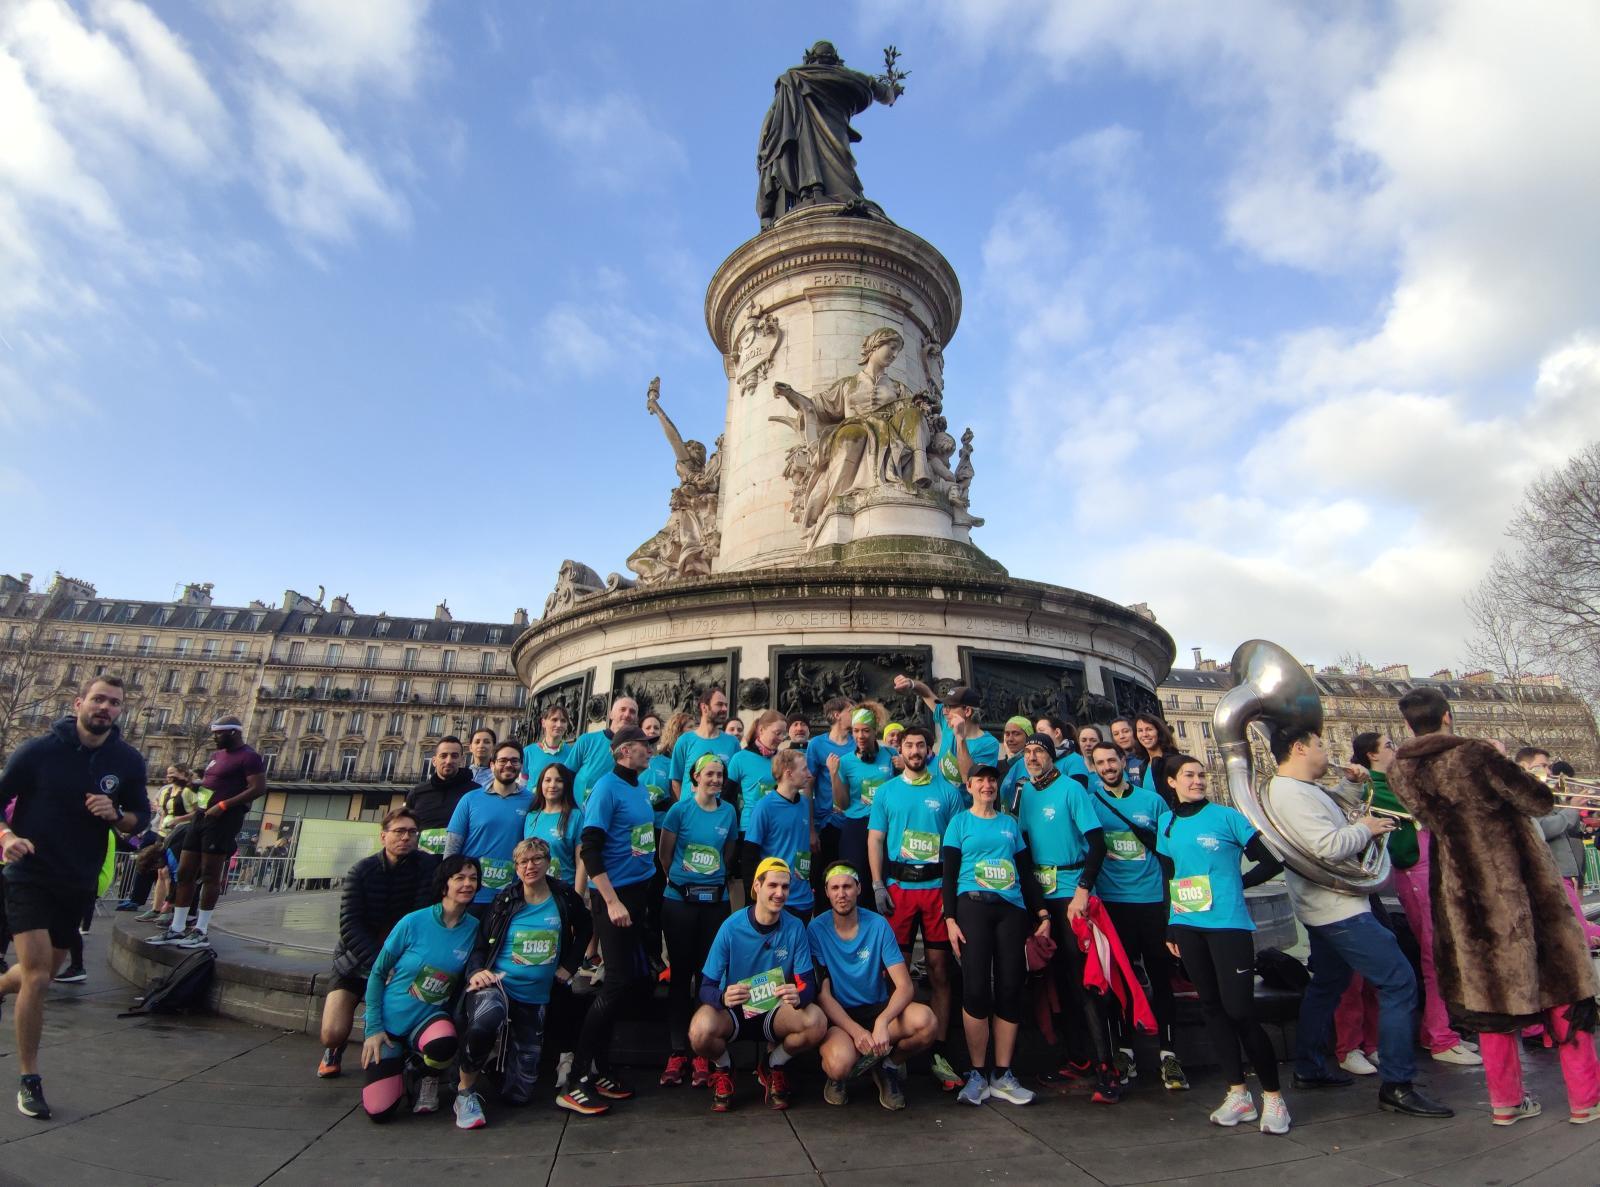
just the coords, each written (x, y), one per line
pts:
(869, 430)
(687, 544)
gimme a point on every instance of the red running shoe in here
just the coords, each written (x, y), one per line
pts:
(677, 1066)
(702, 1072)
(721, 1089)
(776, 1083)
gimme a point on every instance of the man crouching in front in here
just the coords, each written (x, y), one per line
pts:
(758, 983)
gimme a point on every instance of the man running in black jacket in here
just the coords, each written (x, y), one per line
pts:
(71, 787)
(378, 890)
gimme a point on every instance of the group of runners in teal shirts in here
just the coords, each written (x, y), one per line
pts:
(847, 852)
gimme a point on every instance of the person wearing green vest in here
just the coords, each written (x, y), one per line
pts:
(1408, 853)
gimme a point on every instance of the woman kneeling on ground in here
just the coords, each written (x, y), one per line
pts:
(532, 936)
(410, 990)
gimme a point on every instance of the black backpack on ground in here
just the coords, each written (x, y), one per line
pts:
(182, 989)
(1279, 970)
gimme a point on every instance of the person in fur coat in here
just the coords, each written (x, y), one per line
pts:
(1507, 949)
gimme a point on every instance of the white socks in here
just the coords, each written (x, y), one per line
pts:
(777, 1057)
(180, 918)
(202, 920)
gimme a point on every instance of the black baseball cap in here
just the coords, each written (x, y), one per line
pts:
(628, 733)
(963, 696)
(984, 770)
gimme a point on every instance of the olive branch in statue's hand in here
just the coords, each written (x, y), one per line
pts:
(892, 76)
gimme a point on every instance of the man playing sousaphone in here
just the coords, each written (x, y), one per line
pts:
(1345, 936)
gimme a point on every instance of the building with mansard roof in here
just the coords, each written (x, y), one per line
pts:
(345, 707)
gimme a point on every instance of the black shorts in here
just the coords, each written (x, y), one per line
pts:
(215, 836)
(44, 906)
(759, 1027)
(866, 1017)
(355, 985)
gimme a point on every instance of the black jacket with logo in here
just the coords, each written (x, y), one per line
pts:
(49, 777)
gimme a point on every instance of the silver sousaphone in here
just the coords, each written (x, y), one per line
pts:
(1271, 686)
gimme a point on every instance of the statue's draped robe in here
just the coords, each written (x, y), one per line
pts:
(806, 137)
(881, 421)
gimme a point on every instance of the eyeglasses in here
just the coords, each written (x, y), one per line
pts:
(405, 832)
(532, 861)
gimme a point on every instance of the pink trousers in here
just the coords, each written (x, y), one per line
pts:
(1502, 1064)
(1591, 932)
(1411, 886)
(1355, 1022)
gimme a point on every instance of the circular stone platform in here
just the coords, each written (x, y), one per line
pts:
(787, 638)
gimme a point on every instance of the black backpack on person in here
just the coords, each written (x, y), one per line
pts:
(182, 989)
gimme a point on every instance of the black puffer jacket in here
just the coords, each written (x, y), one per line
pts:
(575, 927)
(376, 894)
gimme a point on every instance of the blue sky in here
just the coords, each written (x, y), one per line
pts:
(1270, 312)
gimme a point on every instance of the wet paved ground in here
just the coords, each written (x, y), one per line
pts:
(211, 1101)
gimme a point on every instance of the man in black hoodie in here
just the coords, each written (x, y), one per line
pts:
(71, 786)
(433, 801)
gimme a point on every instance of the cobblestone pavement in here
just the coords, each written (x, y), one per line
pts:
(212, 1101)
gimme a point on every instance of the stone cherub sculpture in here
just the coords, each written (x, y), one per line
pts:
(863, 431)
(689, 542)
(804, 154)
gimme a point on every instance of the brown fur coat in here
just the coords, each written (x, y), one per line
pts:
(1506, 943)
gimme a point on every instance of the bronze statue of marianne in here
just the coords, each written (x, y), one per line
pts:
(804, 156)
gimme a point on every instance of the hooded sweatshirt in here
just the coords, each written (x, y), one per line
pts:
(49, 777)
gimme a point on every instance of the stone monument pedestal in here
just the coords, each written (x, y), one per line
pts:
(791, 638)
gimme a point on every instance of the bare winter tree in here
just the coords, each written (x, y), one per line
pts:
(28, 684)
(1538, 609)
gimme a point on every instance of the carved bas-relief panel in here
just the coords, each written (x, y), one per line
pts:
(572, 694)
(1132, 697)
(674, 683)
(804, 678)
(1012, 684)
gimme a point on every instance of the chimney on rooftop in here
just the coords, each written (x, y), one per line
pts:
(520, 618)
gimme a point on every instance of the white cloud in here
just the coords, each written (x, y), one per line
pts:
(313, 181)
(339, 49)
(1340, 483)
(610, 139)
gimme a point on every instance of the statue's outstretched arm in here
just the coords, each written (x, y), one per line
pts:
(674, 438)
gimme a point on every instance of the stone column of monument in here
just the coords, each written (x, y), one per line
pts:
(792, 308)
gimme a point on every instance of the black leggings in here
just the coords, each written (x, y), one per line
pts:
(627, 974)
(996, 934)
(1142, 928)
(483, 1013)
(1085, 1016)
(690, 928)
(853, 846)
(1214, 958)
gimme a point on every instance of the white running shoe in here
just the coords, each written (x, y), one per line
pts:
(1236, 1107)
(1274, 1114)
(193, 938)
(427, 1095)
(1459, 1055)
(170, 936)
(1357, 1064)
(1528, 1108)
(1007, 1088)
